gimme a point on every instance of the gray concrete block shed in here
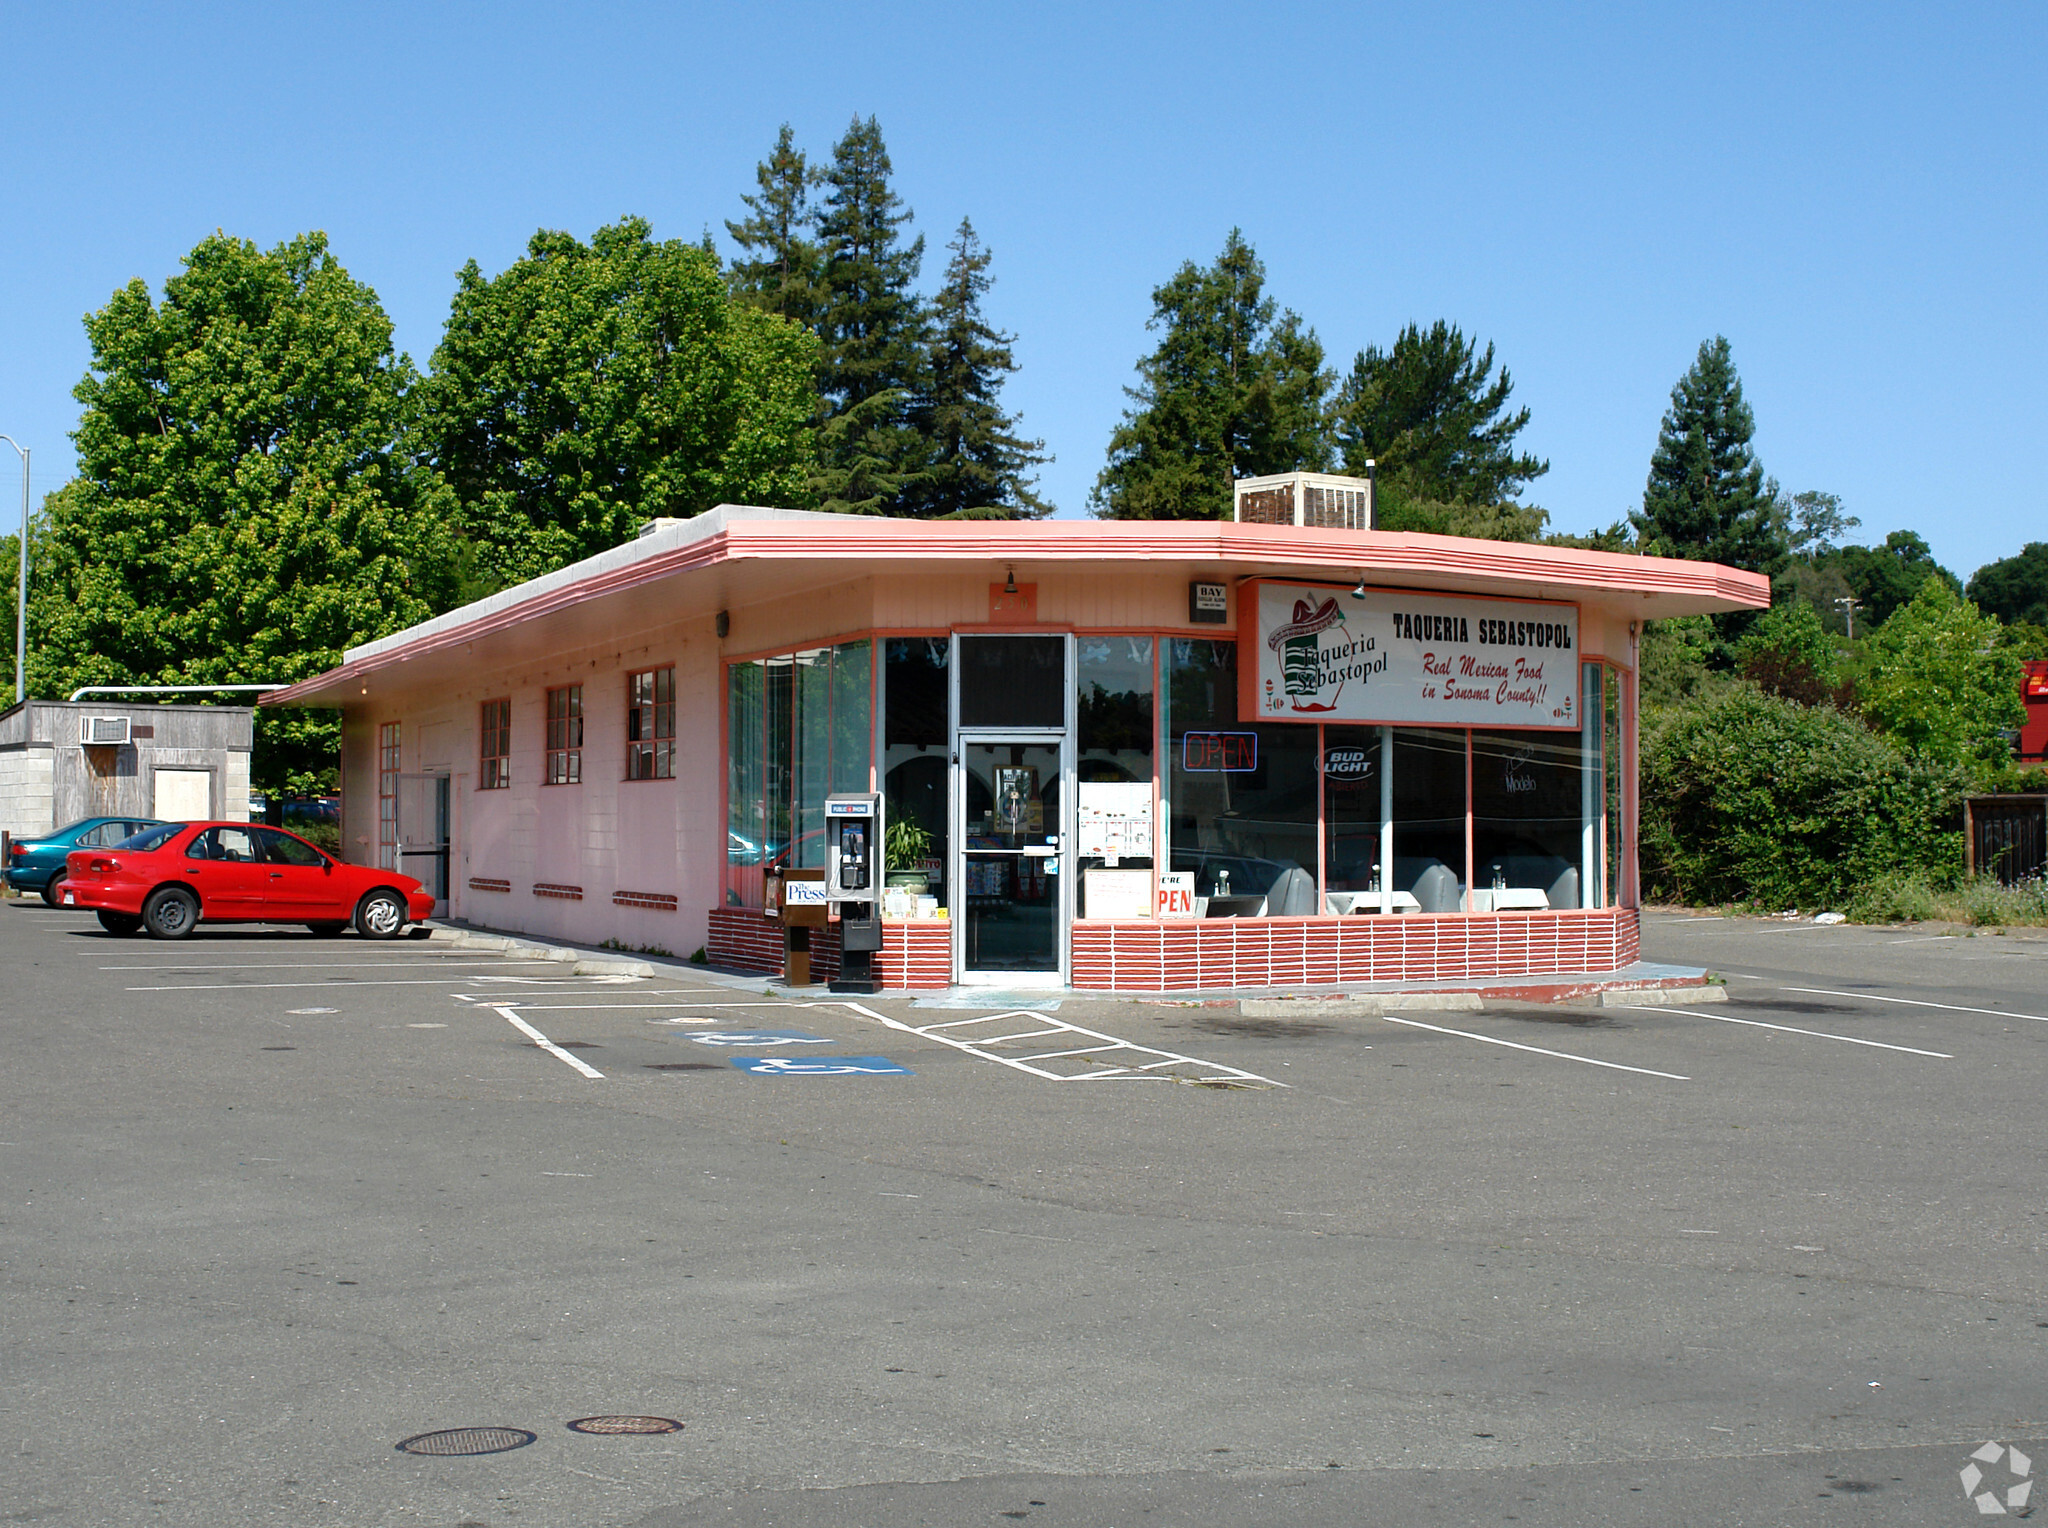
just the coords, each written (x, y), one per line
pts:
(62, 760)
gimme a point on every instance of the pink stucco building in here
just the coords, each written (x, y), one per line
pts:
(1143, 756)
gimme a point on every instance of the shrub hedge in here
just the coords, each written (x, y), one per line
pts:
(1757, 800)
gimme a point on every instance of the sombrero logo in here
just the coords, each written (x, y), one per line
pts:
(1314, 669)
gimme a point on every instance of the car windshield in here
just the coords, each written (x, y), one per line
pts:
(151, 838)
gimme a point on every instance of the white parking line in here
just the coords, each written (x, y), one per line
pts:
(424, 981)
(1205, 1071)
(1914, 1002)
(517, 1002)
(326, 965)
(1816, 1034)
(495, 1000)
(1536, 1050)
(548, 1045)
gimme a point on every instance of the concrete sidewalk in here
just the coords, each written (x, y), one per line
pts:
(1644, 983)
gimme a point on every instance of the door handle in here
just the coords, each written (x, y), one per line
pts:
(277, 875)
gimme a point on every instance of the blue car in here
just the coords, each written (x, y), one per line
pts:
(37, 864)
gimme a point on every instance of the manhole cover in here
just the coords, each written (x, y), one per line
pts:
(624, 1426)
(451, 1441)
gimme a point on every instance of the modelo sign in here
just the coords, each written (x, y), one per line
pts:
(1309, 653)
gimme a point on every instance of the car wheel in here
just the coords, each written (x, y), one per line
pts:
(170, 913)
(381, 915)
(120, 923)
(52, 888)
(328, 930)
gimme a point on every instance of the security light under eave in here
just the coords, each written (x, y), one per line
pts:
(1010, 583)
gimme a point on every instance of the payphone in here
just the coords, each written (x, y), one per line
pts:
(853, 877)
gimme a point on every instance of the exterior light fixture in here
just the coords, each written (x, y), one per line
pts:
(1010, 584)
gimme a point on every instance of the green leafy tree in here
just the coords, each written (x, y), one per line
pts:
(1816, 522)
(2014, 588)
(2025, 640)
(592, 387)
(1755, 799)
(1883, 578)
(1236, 388)
(873, 334)
(1434, 418)
(779, 268)
(1789, 653)
(979, 465)
(1706, 496)
(1939, 681)
(246, 506)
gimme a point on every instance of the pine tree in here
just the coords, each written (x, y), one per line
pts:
(778, 270)
(872, 333)
(979, 464)
(1435, 419)
(1707, 497)
(1235, 388)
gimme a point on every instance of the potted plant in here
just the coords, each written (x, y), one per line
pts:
(906, 845)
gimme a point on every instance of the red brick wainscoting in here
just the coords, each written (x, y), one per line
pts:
(1181, 954)
(1184, 954)
(918, 953)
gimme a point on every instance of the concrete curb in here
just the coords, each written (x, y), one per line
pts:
(579, 962)
(1358, 1007)
(1662, 997)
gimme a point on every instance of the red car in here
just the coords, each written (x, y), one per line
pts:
(166, 879)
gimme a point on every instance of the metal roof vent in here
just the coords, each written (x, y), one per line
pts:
(1305, 498)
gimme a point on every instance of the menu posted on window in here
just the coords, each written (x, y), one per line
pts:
(1114, 820)
(1311, 653)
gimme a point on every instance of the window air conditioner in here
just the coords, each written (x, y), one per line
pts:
(103, 729)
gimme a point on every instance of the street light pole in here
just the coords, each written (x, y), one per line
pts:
(21, 589)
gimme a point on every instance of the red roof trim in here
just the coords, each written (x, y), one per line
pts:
(1380, 555)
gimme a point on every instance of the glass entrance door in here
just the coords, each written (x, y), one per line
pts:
(1009, 878)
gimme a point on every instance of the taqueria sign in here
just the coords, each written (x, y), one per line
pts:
(1309, 653)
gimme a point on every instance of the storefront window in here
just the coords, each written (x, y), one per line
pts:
(1114, 776)
(1429, 817)
(799, 727)
(746, 824)
(1611, 817)
(1013, 681)
(1241, 800)
(1528, 817)
(914, 676)
(1353, 773)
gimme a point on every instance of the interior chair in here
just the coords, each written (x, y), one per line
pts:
(1293, 894)
(1409, 868)
(1437, 890)
(1564, 891)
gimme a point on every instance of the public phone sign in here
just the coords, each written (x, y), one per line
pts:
(1232, 753)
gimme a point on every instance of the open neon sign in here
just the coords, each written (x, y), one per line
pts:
(1234, 753)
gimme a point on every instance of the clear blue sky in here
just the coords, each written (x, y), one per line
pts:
(1854, 195)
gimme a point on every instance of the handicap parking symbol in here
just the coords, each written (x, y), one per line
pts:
(821, 1066)
(758, 1037)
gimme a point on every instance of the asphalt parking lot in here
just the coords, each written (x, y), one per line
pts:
(276, 1204)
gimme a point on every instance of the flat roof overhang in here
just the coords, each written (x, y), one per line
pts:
(734, 557)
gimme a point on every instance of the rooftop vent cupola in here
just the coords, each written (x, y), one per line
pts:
(1305, 498)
